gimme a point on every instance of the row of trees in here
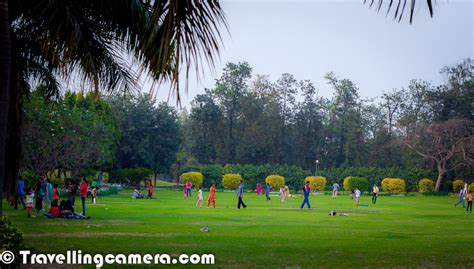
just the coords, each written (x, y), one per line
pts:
(279, 127)
(253, 120)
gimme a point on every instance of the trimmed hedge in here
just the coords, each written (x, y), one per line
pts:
(195, 178)
(231, 181)
(276, 182)
(393, 185)
(317, 183)
(425, 185)
(131, 176)
(350, 183)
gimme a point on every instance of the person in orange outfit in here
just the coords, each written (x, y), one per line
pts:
(212, 196)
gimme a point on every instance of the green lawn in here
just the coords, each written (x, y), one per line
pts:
(415, 231)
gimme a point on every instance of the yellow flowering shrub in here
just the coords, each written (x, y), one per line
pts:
(275, 181)
(425, 184)
(393, 185)
(317, 183)
(195, 178)
(231, 181)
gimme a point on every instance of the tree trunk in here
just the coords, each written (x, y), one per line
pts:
(5, 64)
(441, 173)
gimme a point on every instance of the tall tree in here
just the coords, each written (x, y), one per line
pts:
(87, 40)
(230, 88)
(448, 144)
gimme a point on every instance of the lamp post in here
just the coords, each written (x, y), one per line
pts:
(316, 163)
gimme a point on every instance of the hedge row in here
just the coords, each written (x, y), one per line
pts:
(253, 174)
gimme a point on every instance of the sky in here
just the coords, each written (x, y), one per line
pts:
(310, 38)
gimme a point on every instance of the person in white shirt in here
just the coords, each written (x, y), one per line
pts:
(357, 195)
(199, 198)
(375, 193)
(335, 188)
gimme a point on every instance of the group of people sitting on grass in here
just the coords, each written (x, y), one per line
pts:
(149, 185)
(45, 195)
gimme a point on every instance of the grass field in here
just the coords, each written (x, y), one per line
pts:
(414, 231)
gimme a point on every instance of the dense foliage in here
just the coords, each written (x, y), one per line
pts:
(68, 134)
(351, 183)
(458, 184)
(130, 176)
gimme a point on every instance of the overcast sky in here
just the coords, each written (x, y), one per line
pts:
(310, 38)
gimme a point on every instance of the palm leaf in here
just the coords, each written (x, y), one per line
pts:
(401, 5)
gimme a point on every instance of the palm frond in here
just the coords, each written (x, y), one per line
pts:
(401, 6)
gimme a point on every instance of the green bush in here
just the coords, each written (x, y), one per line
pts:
(436, 193)
(194, 177)
(231, 181)
(425, 185)
(317, 183)
(11, 238)
(351, 182)
(458, 185)
(471, 187)
(130, 176)
(393, 185)
(276, 182)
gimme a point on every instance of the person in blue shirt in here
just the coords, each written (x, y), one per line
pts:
(267, 191)
(306, 191)
(240, 193)
(20, 193)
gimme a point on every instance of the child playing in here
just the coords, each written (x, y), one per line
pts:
(357, 195)
(469, 202)
(267, 192)
(30, 196)
(199, 199)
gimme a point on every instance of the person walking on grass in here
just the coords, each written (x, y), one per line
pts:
(469, 202)
(267, 192)
(375, 193)
(357, 195)
(462, 195)
(20, 193)
(71, 192)
(306, 192)
(199, 198)
(240, 194)
(212, 196)
(335, 188)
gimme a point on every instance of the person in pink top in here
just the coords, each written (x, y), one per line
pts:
(188, 188)
(259, 189)
(83, 192)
